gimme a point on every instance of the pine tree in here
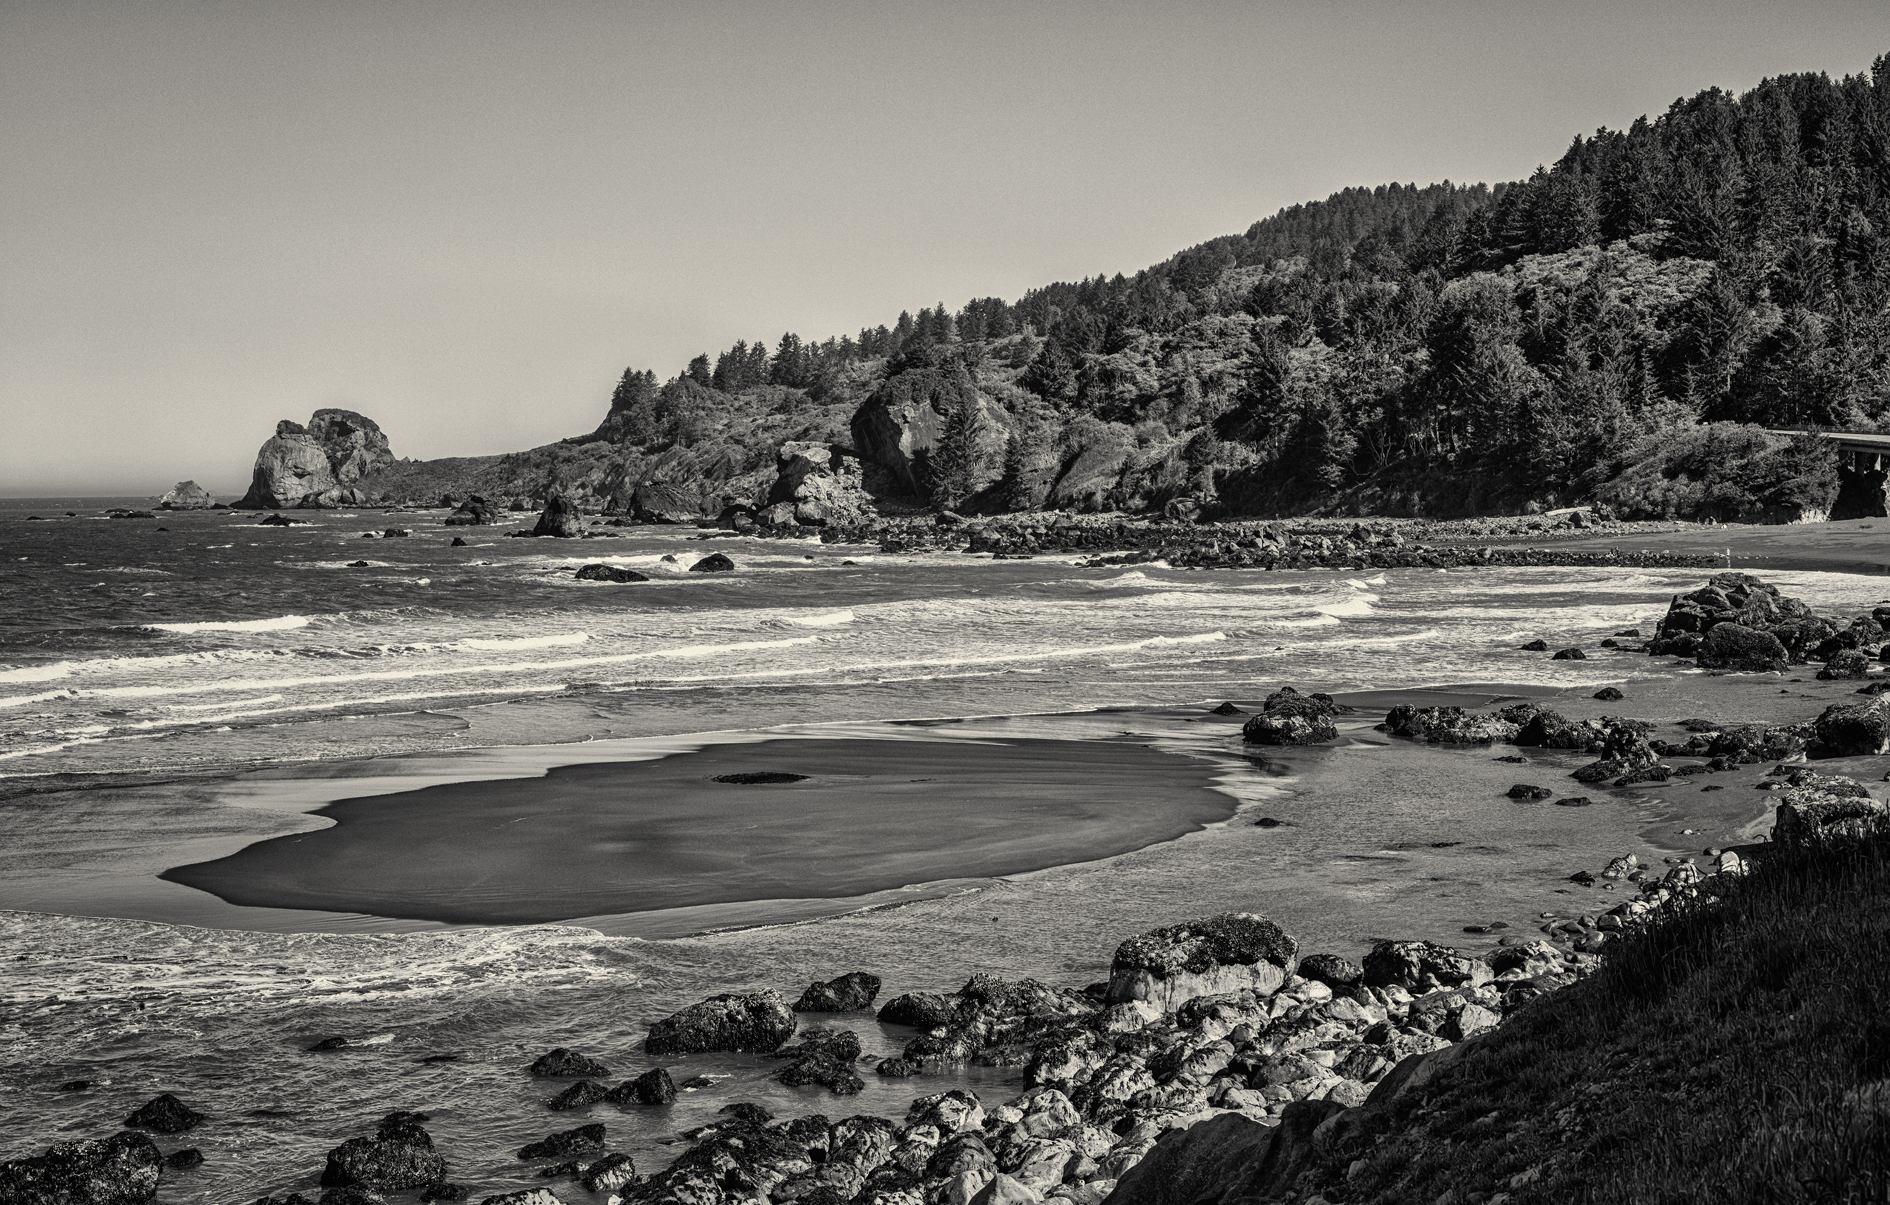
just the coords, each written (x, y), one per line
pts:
(954, 461)
(698, 371)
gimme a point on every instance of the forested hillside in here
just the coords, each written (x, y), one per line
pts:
(1617, 327)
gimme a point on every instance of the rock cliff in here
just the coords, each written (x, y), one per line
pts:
(317, 465)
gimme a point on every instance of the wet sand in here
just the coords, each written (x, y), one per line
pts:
(1852, 546)
(626, 837)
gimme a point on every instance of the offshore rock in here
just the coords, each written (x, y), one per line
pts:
(187, 495)
(715, 562)
(653, 1087)
(761, 1022)
(560, 518)
(316, 465)
(609, 573)
(580, 1141)
(1290, 718)
(473, 512)
(1232, 952)
(164, 1114)
(560, 1062)
(121, 1170)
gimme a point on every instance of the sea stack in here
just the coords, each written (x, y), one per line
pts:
(317, 465)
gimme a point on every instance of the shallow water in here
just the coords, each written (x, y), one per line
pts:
(168, 698)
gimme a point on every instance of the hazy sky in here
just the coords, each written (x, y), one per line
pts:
(464, 219)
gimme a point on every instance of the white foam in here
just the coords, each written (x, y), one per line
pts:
(280, 623)
(1359, 605)
(37, 673)
(831, 619)
(526, 642)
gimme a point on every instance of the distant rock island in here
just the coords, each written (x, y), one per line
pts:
(318, 465)
(187, 495)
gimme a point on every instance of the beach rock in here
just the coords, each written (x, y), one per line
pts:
(1227, 709)
(1608, 694)
(187, 495)
(609, 1174)
(1231, 952)
(715, 562)
(327, 1044)
(1623, 751)
(278, 521)
(1847, 664)
(164, 1114)
(1448, 725)
(817, 484)
(1731, 646)
(316, 465)
(560, 1062)
(1331, 970)
(1289, 727)
(1853, 729)
(1535, 646)
(457, 543)
(123, 1169)
(609, 573)
(400, 1155)
(653, 1087)
(474, 512)
(825, 1068)
(580, 1141)
(1421, 966)
(852, 992)
(560, 518)
(1570, 655)
(759, 1022)
(1573, 801)
(895, 1068)
(577, 1096)
(1525, 791)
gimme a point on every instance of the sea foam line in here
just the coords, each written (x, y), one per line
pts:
(279, 624)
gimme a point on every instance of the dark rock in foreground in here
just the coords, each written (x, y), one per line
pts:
(852, 992)
(1290, 718)
(121, 1170)
(715, 562)
(608, 1174)
(399, 1156)
(560, 518)
(759, 1022)
(165, 1114)
(653, 1087)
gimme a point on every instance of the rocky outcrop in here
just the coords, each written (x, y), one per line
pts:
(817, 484)
(1448, 725)
(1853, 729)
(609, 573)
(165, 1114)
(187, 495)
(758, 1022)
(900, 426)
(121, 1170)
(1733, 646)
(1824, 808)
(317, 465)
(1756, 608)
(1233, 952)
(399, 1156)
(560, 1062)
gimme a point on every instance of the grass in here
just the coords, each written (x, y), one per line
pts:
(1709, 1059)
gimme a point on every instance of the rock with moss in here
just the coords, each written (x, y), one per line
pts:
(1232, 952)
(758, 1022)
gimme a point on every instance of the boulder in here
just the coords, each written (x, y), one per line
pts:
(1331, 970)
(560, 1062)
(852, 992)
(560, 518)
(1231, 952)
(317, 465)
(609, 573)
(715, 562)
(653, 1087)
(1290, 718)
(187, 495)
(759, 1022)
(1523, 790)
(1421, 966)
(1809, 816)
(921, 1010)
(399, 1156)
(818, 484)
(1845, 665)
(1731, 646)
(1570, 655)
(581, 1141)
(1608, 694)
(608, 1174)
(580, 1095)
(123, 1169)
(164, 1114)
(1853, 729)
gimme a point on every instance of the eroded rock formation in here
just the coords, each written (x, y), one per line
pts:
(317, 465)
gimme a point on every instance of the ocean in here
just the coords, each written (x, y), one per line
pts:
(174, 690)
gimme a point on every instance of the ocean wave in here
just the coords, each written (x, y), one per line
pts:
(831, 619)
(280, 623)
(1355, 607)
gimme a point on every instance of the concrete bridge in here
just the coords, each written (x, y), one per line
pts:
(1863, 466)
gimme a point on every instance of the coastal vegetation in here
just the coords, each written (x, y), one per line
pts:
(1625, 326)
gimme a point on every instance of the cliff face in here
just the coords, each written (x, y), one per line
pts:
(317, 465)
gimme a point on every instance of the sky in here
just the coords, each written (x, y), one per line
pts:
(465, 219)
